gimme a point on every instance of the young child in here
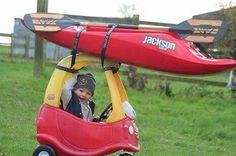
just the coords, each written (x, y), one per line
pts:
(78, 102)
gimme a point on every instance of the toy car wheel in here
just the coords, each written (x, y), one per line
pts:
(44, 150)
(126, 153)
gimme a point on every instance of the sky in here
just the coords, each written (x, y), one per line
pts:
(166, 11)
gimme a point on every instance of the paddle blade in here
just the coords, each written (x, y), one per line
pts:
(47, 22)
(201, 31)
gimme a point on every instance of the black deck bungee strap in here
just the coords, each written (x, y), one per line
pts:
(113, 69)
(74, 48)
(105, 43)
(69, 70)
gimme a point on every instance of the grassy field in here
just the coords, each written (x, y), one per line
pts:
(197, 120)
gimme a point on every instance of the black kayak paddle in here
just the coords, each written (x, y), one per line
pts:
(193, 30)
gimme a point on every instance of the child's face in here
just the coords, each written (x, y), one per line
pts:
(83, 94)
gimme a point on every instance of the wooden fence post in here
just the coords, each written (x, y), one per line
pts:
(11, 49)
(42, 6)
(232, 82)
(132, 75)
(135, 19)
(27, 46)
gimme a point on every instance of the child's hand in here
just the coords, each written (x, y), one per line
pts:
(96, 118)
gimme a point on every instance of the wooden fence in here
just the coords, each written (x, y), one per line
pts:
(180, 79)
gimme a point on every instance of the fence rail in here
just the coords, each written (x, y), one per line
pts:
(5, 35)
(180, 79)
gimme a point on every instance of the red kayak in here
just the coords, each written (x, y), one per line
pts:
(157, 49)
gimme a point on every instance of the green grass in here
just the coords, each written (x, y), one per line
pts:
(5, 50)
(197, 120)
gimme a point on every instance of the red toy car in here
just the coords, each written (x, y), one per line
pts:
(62, 134)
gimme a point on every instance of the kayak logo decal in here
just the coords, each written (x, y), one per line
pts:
(162, 44)
(46, 21)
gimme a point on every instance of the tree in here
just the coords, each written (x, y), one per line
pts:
(230, 38)
(127, 10)
(228, 44)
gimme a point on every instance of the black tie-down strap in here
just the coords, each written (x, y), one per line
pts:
(113, 69)
(69, 70)
(74, 48)
(104, 47)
